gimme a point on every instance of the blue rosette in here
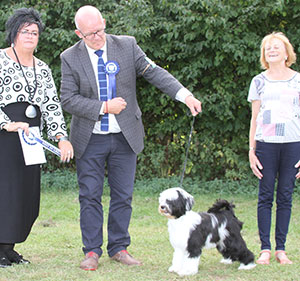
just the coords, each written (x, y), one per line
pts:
(112, 68)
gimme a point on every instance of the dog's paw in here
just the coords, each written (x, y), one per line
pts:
(185, 272)
(247, 267)
(172, 268)
(226, 261)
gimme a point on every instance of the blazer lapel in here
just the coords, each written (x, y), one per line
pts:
(111, 51)
(87, 66)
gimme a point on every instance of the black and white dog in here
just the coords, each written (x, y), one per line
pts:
(190, 232)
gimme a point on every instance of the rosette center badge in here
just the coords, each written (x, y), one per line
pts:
(112, 67)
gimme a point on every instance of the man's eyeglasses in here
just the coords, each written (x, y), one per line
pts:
(26, 32)
(92, 35)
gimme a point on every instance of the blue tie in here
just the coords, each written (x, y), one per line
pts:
(103, 87)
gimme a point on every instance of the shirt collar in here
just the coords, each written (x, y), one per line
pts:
(92, 51)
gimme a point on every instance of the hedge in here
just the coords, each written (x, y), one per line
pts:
(211, 46)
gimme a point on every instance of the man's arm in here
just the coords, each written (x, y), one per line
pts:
(165, 81)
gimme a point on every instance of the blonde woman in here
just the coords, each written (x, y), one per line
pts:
(274, 140)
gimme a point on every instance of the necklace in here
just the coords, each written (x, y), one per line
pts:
(30, 111)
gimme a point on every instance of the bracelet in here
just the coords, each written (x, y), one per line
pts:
(251, 148)
(6, 126)
(106, 107)
(63, 138)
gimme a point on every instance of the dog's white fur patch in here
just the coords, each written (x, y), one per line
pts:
(226, 261)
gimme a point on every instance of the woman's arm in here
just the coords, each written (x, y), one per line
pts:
(254, 162)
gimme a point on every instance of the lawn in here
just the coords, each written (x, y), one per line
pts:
(54, 245)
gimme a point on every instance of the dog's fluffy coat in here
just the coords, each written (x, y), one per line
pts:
(190, 232)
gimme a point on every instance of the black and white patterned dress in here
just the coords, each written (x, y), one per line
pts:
(20, 184)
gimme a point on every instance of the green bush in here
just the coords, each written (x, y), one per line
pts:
(212, 47)
(59, 180)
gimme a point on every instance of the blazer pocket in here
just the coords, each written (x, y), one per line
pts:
(138, 113)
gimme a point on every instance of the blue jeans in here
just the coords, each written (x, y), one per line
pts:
(278, 161)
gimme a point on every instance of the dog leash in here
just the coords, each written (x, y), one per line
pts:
(187, 151)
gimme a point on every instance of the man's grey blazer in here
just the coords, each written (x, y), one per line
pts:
(80, 98)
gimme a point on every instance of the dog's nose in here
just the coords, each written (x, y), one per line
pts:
(163, 207)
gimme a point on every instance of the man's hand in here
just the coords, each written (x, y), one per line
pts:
(193, 104)
(116, 105)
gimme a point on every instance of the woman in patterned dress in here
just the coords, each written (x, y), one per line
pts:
(274, 141)
(28, 98)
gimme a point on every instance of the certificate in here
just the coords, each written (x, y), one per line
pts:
(32, 150)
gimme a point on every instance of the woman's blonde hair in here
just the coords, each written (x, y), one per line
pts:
(291, 56)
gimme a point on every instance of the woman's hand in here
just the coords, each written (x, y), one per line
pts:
(255, 164)
(297, 166)
(66, 151)
(14, 126)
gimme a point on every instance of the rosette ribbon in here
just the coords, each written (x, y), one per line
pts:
(31, 141)
(112, 68)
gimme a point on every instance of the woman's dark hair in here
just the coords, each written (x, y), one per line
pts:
(22, 17)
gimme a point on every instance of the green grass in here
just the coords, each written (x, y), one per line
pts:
(54, 245)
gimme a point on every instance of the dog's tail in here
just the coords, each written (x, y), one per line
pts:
(223, 205)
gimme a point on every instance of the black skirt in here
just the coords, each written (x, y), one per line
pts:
(19, 184)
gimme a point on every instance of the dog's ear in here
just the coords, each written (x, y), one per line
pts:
(189, 199)
(189, 203)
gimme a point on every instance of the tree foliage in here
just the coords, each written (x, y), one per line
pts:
(211, 47)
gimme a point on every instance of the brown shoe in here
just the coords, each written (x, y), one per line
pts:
(124, 257)
(90, 262)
